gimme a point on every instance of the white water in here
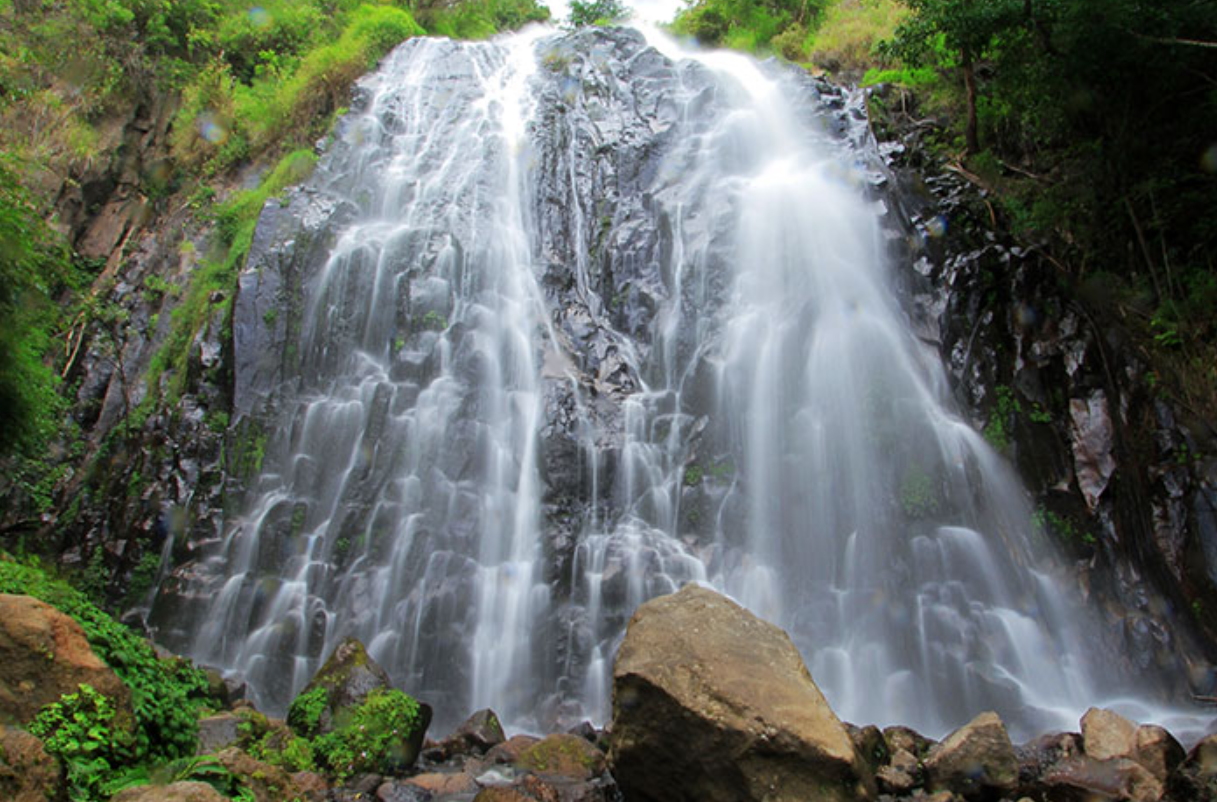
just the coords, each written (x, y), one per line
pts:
(791, 443)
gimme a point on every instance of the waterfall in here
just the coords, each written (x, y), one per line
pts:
(574, 320)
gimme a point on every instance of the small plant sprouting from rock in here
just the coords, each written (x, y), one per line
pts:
(918, 496)
(304, 715)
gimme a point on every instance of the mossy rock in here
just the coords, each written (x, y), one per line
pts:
(564, 755)
(343, 683)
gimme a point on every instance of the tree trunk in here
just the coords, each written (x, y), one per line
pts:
(971, 142)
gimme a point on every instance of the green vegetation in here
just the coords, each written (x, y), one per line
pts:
(998, 430)
(1062, 528)
(251, 80)
(304, 715)
(165, 694)
(34, 269)
(918, 495)
(80, 731)
(1092, 125)
(373, 736)
(837, 35)
(81, 728)
(597, 12)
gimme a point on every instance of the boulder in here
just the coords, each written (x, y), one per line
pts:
(1106, 734)
(268, 783)
(976, 761)
(27, 772)
(440, 783)
(710, 703)
(900, 775)
(43, 655)
(480, 733)
(1158, 751)
(217, 732)
(510, 750)
(564, 755)
(394, 791)
(1084, 779)
(1196, 778)
(176, 792)
(347, 676)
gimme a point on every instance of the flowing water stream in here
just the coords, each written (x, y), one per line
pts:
(604, 317)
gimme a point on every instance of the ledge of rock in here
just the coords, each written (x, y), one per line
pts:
(710, 703)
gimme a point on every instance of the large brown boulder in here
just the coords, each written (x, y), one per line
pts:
(43, 655)
(27, 772)
(712, 704)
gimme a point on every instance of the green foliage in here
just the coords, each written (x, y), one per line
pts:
(1065, 529)
(693, 475)
(80, 730)
(164, 694)
(433, 321)
(597, 12)
(479, 19)
(304, 714)
(34, 268)
(918, 495)
(848, 32)
(201, 768)
(1005, 408)
(751, 25)
(371, 737)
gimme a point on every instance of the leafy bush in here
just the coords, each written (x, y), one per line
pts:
(373, 736)
(78, 729)
(165, 694)
(750, 25)
(596, 12)
(304, 715)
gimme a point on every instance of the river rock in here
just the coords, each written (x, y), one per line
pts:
(1084, 778)
(268, 783)
(27, 772)
(1106, 734)
(1158, 751)
(480, 733)
(712, 704)
(187, 791)
(977, 760)
(1196, 778)
(217, 732)
(43, 655)
(564, 755)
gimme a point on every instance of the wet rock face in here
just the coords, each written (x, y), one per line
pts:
(1121, 478)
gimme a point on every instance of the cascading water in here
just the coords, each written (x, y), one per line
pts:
(595, 320)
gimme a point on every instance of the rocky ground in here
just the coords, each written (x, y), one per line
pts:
(710, 703)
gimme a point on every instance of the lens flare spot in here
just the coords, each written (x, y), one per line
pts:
(210, 129)
(936, 226)
(1025, 315)
(1208, 162)
(259, 17)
